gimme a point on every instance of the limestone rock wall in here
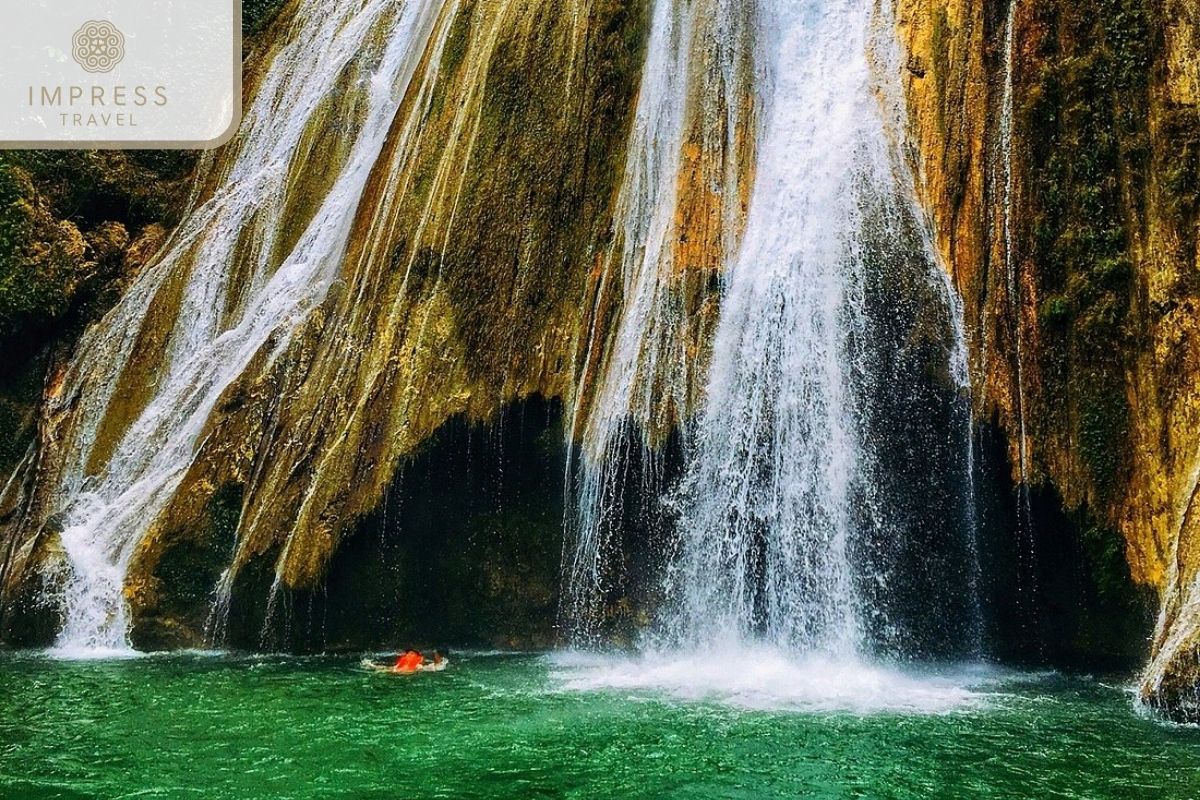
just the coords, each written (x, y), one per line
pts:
(1069, 223)
(461, 294)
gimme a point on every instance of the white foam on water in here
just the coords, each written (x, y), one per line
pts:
(87, 652)
(767, 679)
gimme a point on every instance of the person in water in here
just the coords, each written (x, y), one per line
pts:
(411, 661)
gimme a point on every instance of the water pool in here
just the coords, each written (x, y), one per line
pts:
(535, 725)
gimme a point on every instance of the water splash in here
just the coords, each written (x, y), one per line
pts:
(248, 263)
(751, 676)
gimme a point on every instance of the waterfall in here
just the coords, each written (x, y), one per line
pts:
(236, 280)
(766, 531)
(781, 531)
(689, 99)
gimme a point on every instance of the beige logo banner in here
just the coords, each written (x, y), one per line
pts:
(120, 74)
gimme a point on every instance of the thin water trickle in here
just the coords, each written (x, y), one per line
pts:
(1026, 539)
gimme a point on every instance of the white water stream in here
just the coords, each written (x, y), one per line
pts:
(777, 492)
(1026, 536)
(767, 521)
(371, 49)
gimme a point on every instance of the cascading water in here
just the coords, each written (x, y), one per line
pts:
(646, 213)
(255, 225)
(767, 526)
(692, 75)
(781, 533)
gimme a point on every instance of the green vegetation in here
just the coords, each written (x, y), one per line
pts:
(37, 270)
(60, 247)
(134, 187)
(12, 423)
(940, 39)
(26, 294)
(458, 41)
(257, 15)
(1055, 311)
(1180, 174)
(1104, 557)
(57, 245)
(14, 223)
(66, 219)
(560, 163)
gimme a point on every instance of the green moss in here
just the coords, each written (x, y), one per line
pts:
(940, 46)
(15, 229)
(1055, 311)
(1103, 425)
(51, 284)
(192, 566)
(1104, 554)
(1116, 615)
(14, 223)
(92, 186)
(557, 168)
(33, 291)
(458, 41)
(1085, 115)
(1180, 175)
(257, 15)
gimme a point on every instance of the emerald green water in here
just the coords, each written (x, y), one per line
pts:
(510, 726)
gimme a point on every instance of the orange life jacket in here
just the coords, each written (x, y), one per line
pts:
(409, 661)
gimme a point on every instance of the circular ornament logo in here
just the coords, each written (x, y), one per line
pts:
(98, 46)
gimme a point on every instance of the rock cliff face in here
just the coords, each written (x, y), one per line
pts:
(457, 296)
(1056, 145)
(1057, 151)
